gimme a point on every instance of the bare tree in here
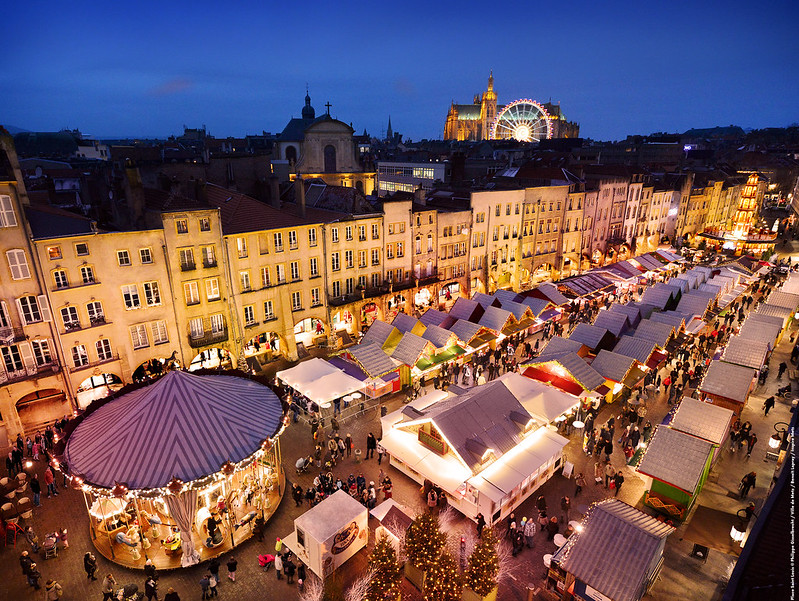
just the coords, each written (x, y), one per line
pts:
(313, 588)
(358, 589)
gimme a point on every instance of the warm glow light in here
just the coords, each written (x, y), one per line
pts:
(578, 424)
(774, 441)
(737, 535)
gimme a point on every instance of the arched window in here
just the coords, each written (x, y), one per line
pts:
(291, 154)
(330, 159)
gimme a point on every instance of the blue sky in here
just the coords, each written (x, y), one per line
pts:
(618, 68)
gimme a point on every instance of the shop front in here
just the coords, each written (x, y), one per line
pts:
(98, 387)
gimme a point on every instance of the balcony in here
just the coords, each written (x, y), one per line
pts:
(210, 335)
(39, 371)
(90, 364)
(208, 263)
(97, 320)
(188, 266)
(72, 326)
(9, 335)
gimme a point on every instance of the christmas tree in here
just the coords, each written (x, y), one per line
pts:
(424, 541)
(481, 575)
(385, 572)
(443, 582)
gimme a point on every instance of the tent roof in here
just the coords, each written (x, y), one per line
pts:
(320, 380)
(615, 549)
(704, 420)
(148, 436)
(728, 381)
(612, 366)
(676, 458)
(325, 519)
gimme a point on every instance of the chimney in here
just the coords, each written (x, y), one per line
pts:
(299, 194)
(134, 192)
(274, 191)
(419, 196)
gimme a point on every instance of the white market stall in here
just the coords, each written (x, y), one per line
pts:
(320, 381)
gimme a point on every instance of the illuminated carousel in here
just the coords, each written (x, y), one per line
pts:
(180, 470)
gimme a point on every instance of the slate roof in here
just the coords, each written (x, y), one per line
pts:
(590, 336)
(644, 309)
(465, 330)
(465, 308)
(438, 336)
(632, 312)
(405, 323)
(410, 349)
(613, 321)
(495, 318)
(558, 344)
(586, 375)
(614, 551)
(671, 318)
(749, 353)
(728, 381)
(784, 299)
(638, 348)
(659, 295)
(659, 333)
(506, 296)
(676, 458)
(379, 333)
(295, 130)
(551, 292)
(51, 222)
(704, 420)
(519, 310)
(485, 300)
(433, 317)
(537, 305)
(774, 311)
(694, 304)
(372, 359)
(612, 366)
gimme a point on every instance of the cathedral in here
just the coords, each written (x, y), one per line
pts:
(476, 121)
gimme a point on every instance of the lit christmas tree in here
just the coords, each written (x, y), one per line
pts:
(443, 582)
(385, 572)
(424, 541)
(481, 575)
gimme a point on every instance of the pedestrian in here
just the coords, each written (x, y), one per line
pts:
(25, 562)
(171, 595)
(32, 539)
(432, 499)
(279, 566)
(90, 565)
(213, 568)
(529, 532)
(52, 590)
(579, 482)
(371, 445)
(782, 368)
(33, 577)
(151, 589)
(750, 444)
(481, 523)
(290, 569)
(108, 586)
(768, 406)
(232, 564)
(747, 483)
(565, 507)
(36, 489)
(380, 452)
(205, 585)
(213, 581)
(49, 480)
(300, 573)
(348, 445)
(552, 528)
(609, 473)
(618, 480)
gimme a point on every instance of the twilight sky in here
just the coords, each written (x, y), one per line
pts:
(147, 68)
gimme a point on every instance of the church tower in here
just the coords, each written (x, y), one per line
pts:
(488, 108)
(389, 131)
(308, 111)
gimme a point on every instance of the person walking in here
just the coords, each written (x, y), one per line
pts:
(90, 565)
(205, 585)
(579, 482)
(481, 523)
(232, 564)
(52, 590)
(213, 568)
(565, 508)
(279, 566)
(618, 480)
(529, 533)
(747, 483)
(49, 480)
(32, 539)
(768, 406)
(171, 595)
(750, 444)
(290, 569)
(36, 489)
(781, 370)
(371, 445)
(609, 473)
(151, 589)
(213, 581)
(108, 586)
(301, 573)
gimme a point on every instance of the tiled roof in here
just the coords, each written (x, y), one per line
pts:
(612, 366)
(590, 336)
(433, 317)
(495, 318)
(438, 336)
(160, 200)
(616, 550)
(465, 330)
(537, 305)
(372, 359)
(676, 458)
(614, 321)
(379, 332)
(405, 323)
(638, 348)
(658, 333)
(410, 349)
(709, 422)
(465, 308)
(748, 353)
(728, 381)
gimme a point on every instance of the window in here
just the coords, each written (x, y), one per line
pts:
(103, 347)
(41, 352)
(312, 236)
(18, 264)
(280, 271)
(349, 286)
(390, 251)
(362, 281)
(361, 233)
(269, 312)
(145, 255)
(497, 210)
(361, 258)
(418, 245)
(400, 250)
(196, 329)
(335, 261)
(241, 246)
(294, 268)
(336, 288)
(130, 294)
(375, 256)
(390, 228)
(182, 226)
(315, 297)
(293, 239)
(376, 280)
(7, 216)
(12, 358)
(192, 293)
(81, 249)
(60, 277)
(160, 334)
(244, 278)
(54, 252)
(249, 315)
(266, 279)
(348, 232)
(69, 315)
(429, 243)
(263, 244)
(205, 224)
(348, 259)
(334, 234)
(375, 231)
(186, 259)
(209, 256)
(398, 275)
(123, 258)
(212, 289)
(87, 274)
(138, 335)
(33, 309)
(80, 357)
(152, 296)
(95, 311)
(402, 227)
(296, 301)
(278, 237)
(517, 209)
(217, 323)
(314, 267)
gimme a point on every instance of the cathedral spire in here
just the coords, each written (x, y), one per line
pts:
(491, 80)
(389, 131)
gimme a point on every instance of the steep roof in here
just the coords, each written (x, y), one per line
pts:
(51, 222)
(561, 345)
(585, 375)
(632, 312)
(438, 336)
(495, 318)
(590, 336)
(613, 321)
(465, 330)
(638, 348)
(410, 349)
(433, 317)
(405, 323)
(707, 421)
(659, 333)
(537, 305)
(485, 300)
(380, 332)
(612, 366)
(465, 308)
(676, 458)
(551, 292)
(372, 359)
(728, 381)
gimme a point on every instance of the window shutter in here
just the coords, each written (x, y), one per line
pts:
(44, 307)
(27, 356)
(21, 313)
(7, 217)
(5, 318)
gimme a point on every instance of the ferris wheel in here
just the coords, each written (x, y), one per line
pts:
(522, 120)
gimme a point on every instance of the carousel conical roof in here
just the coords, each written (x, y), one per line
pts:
(184, 426)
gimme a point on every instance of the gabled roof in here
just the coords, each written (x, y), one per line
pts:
(639, 349)
(433, 317)
(671, 318)
(728, 381)
(613, 366)
(693, 303)
(659, 333)
(550, 291)
(590, 336)
(405, 323)
(465, 330)
(632, 312)
(506, 296)
(615, 550)
(613, 321)
(585, 375)
(465, 308)
(537, 305)
(519, 310)
(676, 458)
(411, 348)
(485, 300)
(784, 299)
(440, 337)
(495, 318)
(381, 333)
(560, 345)
(660, 295)
(372, 359)
(644, 309)
(775, 311)
(51, 222)
(748, 353)
(704, 420)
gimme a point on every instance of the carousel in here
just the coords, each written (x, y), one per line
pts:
(180, 470)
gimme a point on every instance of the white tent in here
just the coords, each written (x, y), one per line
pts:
(320, 381)
(541, 401)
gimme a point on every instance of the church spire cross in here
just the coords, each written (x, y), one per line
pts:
(328, 105)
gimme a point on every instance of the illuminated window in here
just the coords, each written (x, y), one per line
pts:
(54, 252)
(152, 295)
(205, 224)
(182, 226)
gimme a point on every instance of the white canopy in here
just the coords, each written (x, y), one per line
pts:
(541, 401)
(320, 381)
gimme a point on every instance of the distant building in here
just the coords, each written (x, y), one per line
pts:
(395, 176)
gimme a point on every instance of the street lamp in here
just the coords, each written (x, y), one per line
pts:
(779, 436)
(738, 530)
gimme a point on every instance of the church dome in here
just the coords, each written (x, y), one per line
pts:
(308, 111)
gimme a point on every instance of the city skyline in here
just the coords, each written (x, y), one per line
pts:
(615, 70)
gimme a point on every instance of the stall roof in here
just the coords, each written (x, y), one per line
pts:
(784, 299)
(372, 359)
(576, 366)
(393, 516)
(704, 420)
(639, 349)
(714, 289)
(411, 348)
(584, 285)
(405, 323)
(613, 321)
(591, 336)
(649, 263)
(749, 353)
(519, 310)
(615, 550)
(382, 334)
(695, 304)
(791, 284)
(632, 312)
(756, 327)
(465, 330)
(676, 458)
(775, 311)
(495, 318)
(537, 305)
(305, 371)
(485, 300)
(560, 345)
(505, 296)
(670, 256)
(541, 401)
(550, 291)
(660, 295)
(680, 284)
(659, 333)
(148, 436)
(325, 519)
(320, 380)
(440, 337)
(433, 317)
(728, 381)
(671, 318)
(466, 309)
(644, 309)
(612, 366)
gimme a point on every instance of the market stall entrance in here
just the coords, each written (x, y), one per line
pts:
(343, 321)
(95, 387)
(42, 407)
(370, 313)
(264, 347)
(310, 332)
(213, 358)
